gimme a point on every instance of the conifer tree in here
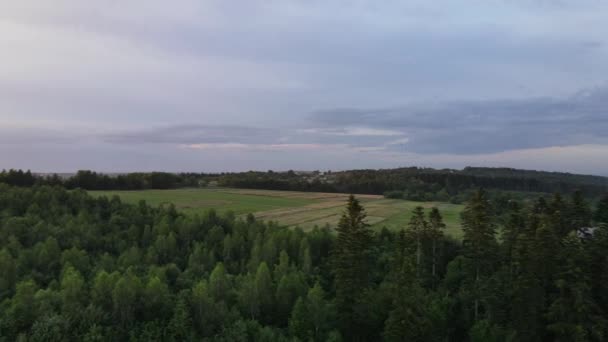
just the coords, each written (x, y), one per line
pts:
(580, 212)
(479, 241)
(436, 228)
(350, 259)
(601, 212)
(510, 231)
(571, 313)
(419, 229)
(528, 296)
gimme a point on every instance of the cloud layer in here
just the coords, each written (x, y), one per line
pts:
(293, 84)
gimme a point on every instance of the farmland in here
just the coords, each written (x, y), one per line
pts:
(290, 208)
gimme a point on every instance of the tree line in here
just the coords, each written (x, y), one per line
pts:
(419, 184)
(422, 184)
(81, 268)
(90, 180)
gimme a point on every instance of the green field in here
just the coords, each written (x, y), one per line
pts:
(301, 209)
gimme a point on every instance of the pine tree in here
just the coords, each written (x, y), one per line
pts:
(351, 265)
(479, 241)
(419, 229)
(580, 212)
(512, 228)
(436, 228)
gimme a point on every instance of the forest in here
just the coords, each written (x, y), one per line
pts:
(423, 184)
(78, 268)
(412, 183)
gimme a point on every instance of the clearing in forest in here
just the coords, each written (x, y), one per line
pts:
(291, 208)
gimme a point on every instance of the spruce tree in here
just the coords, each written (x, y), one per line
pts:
(510, 231)
(528, 296)
(436, 228)
(351, 264)
(419, 230)
(479, 241)
(579, 213)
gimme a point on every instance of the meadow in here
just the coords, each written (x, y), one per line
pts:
(291, 208)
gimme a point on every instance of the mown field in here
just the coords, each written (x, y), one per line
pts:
(302, 209)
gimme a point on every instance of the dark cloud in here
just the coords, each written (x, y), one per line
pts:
(472, 127)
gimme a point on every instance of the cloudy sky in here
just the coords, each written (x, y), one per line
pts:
(196, 85)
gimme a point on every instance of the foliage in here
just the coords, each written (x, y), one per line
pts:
(75, 267)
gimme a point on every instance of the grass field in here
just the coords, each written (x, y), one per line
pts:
(302, 209)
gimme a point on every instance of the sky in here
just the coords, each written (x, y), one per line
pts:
(226, 85)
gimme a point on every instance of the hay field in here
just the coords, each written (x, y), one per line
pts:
(291, 208)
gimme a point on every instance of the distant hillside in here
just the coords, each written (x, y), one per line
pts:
(422, 183)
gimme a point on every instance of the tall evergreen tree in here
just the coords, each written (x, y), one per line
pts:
(579, 214)
(418, 227)
(351, 264)
(510, 232)
(436, 228)
(479, 241)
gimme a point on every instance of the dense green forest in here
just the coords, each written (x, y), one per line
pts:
(78, 268)
(418, 184)
(90, 180)
(422, 184)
